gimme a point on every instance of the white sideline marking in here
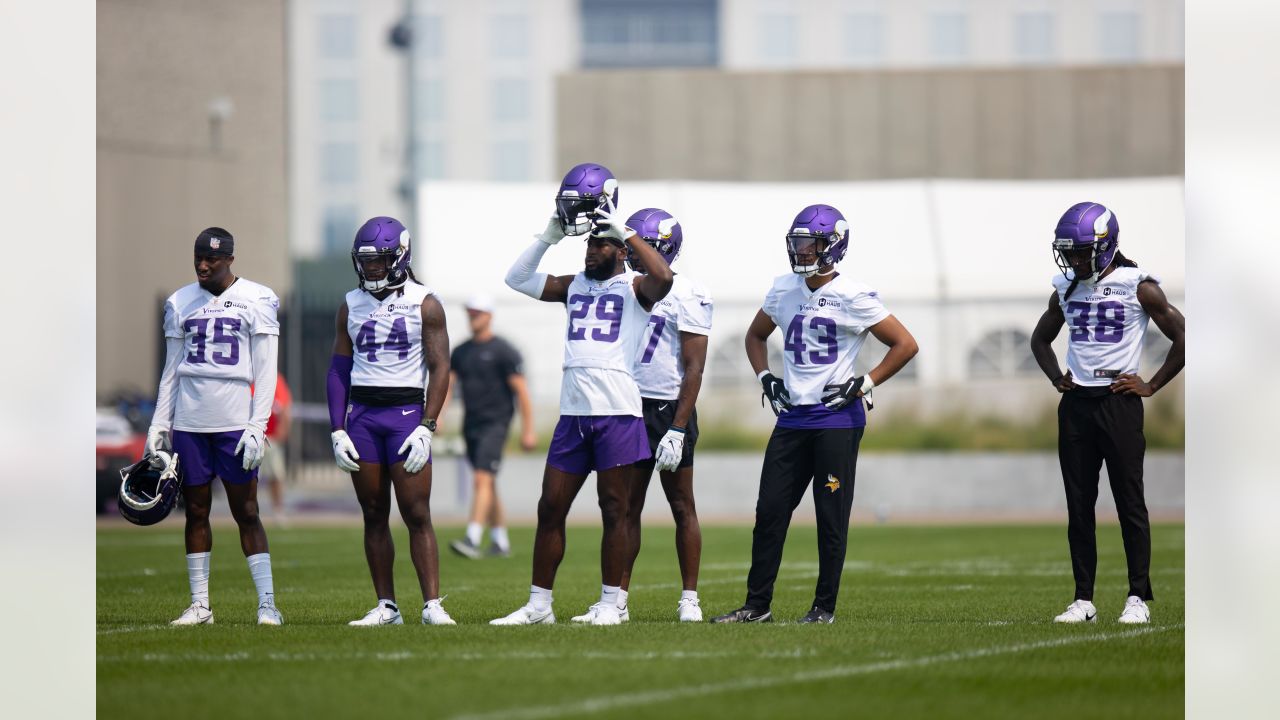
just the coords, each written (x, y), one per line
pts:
(613, 702)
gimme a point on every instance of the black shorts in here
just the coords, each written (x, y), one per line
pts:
(658, 415)
(484, 445)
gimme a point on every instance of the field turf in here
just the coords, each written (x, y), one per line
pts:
(937, 622)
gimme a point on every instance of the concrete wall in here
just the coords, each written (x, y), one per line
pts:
(1051, 123)
(165, 171)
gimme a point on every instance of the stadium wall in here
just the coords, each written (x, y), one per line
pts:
(994, 123)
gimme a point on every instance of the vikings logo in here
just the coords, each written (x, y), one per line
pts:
(833, 484)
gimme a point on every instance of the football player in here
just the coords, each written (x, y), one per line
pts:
(221, 336)
(390, 340)
(668, 370)
(601, 424)
(1107, 299)
(826, 317)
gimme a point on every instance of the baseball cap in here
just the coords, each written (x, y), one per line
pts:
(480, 303)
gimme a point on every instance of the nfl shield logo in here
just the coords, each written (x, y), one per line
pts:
(214, 243)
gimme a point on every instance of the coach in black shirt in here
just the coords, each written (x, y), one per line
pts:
(492, 382)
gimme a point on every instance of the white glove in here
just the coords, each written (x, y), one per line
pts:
(419, 446)
(158, 440)
(554, 233)
(344, 451)
(254, 446)
(609, 224)
(670, 450)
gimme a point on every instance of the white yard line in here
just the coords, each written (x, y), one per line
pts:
(604, 703)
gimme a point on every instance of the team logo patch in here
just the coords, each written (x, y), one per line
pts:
(214, 243)
(833, 483)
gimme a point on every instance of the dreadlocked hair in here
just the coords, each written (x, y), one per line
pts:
(1119, 260)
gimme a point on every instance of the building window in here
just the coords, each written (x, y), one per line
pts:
(510, 100)
(653, 33)
(338, 37)
(1033, 40)
(339, 163)
(510, 37)
(1119, 36)
(339, 223)
(777, 38)
(510, 160)
(428, 39)
(1002, 353)
(339, 100)
(949, 37)
(864, 37)
(430, 100)
(432, 159)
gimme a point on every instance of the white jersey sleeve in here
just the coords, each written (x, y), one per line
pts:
(659, 368)
(1107, 326)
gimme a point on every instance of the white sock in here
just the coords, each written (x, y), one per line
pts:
(539, 598)
(474, 532)
(499, 537)
(389, 603)
(688, 594)
(198, 577)
(609, 595)
(260, 571)
(622, 599)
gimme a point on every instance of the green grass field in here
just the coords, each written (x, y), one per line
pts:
(933, 622)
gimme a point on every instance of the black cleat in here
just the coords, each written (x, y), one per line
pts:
(463, 547)
(744, 615)
(818, 615)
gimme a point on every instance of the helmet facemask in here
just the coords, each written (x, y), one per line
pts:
(817, 246)
(1100, 254)
(392, 260)
(576, 211)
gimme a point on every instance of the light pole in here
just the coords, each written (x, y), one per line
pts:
(402, 38)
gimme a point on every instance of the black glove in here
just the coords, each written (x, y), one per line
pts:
(776, 393)
(840, 395)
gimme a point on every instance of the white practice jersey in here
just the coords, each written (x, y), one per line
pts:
(822, 331)
(216, 368)
(1106, 323)
(659, 368)
(606, 323)
(386, 338)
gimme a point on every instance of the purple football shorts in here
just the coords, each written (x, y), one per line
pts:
(583, 443)
(202, 456)
(378, 432)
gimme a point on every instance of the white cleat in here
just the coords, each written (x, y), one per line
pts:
(527, 616)
(589, 617)
(1135, 612)
(197, 614)
(433, 613)
(268, 614)
(383, 613)
(606, 614)
(689, 610)
(1077, 612)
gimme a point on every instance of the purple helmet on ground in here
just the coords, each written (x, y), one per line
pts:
(149, 489)
(1090, 228)
(381, 241)
(817, 223)
(658, 228)
(584, 189)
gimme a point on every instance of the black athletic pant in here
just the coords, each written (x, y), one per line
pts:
(1093, 428)
(794, 459)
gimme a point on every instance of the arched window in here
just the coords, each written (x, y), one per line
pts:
(1002, 353)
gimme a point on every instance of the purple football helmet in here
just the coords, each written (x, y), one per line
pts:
(817, 223)
(381, 241)
(1086, 230)
(584, 189)
(149, 489)
(659, 229)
